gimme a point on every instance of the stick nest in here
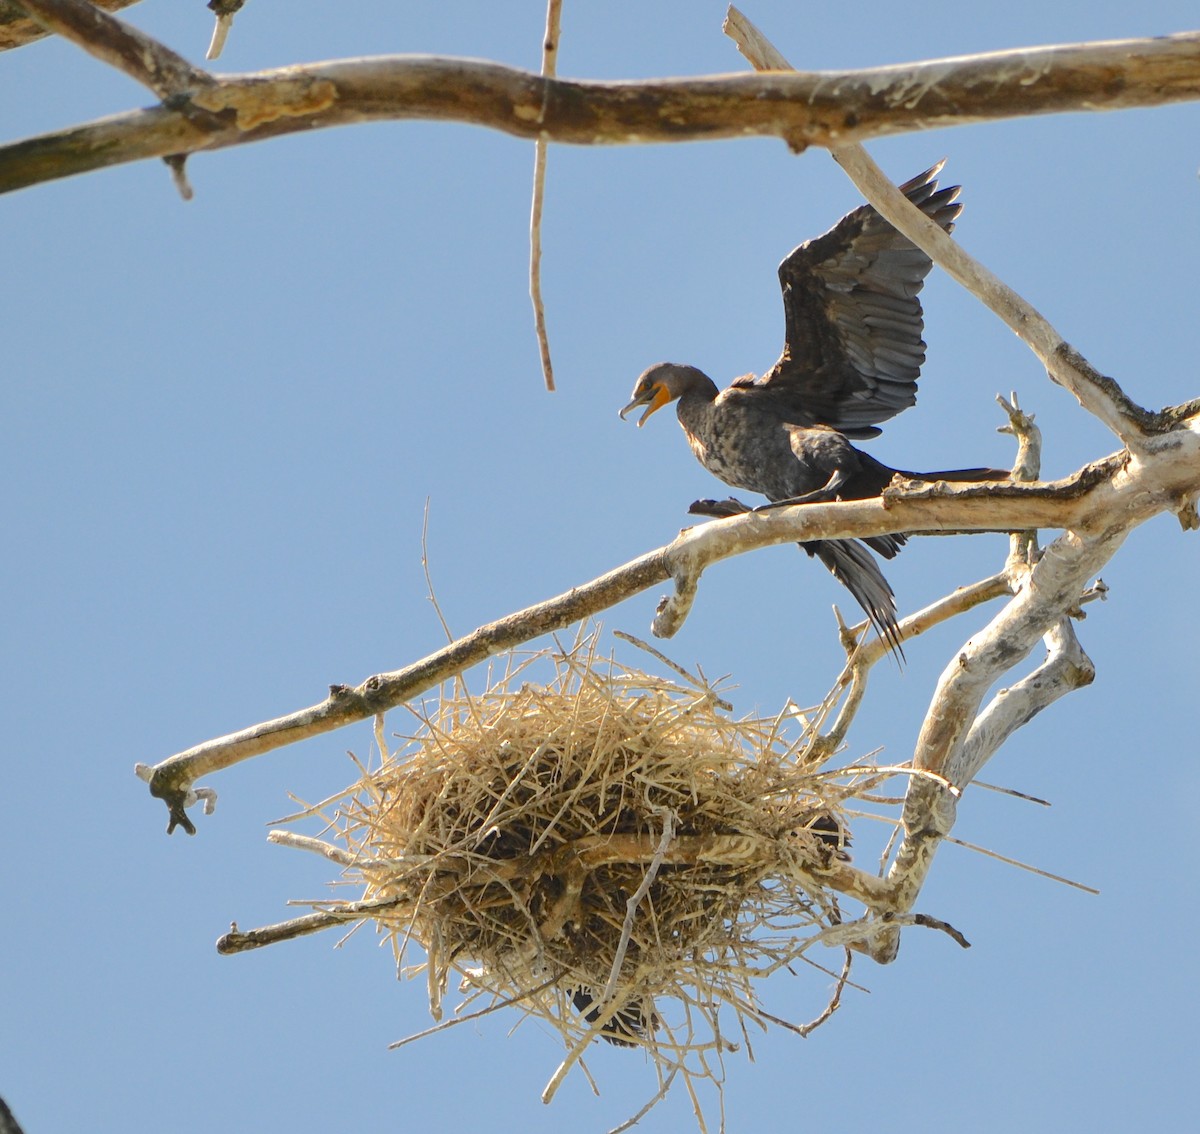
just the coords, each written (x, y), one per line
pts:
(609, 850)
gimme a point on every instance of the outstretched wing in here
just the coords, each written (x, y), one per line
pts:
(854, 351)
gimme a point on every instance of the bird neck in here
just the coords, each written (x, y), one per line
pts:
(700, 390)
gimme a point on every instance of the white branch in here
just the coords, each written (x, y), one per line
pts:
(957, 738)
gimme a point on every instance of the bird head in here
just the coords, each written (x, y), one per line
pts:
(661, 385)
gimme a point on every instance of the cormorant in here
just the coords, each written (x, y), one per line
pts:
(627, 1025)
(851, 358)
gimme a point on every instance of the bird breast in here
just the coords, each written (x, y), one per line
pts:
(746, 444)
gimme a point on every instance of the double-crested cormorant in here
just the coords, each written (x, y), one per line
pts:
(625, 1027)
(851, 359)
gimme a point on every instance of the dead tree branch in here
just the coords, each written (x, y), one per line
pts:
(1096, 508)
(957, 738)
(122, 46)
(18, 27)
(829, 109)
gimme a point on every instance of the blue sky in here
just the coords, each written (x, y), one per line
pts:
(223, 422)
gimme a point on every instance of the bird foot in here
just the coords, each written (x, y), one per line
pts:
(719, 509)
(818, 497)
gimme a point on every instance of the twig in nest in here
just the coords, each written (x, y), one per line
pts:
(658, 655)
(495, 1006)
(431, 593)
(237, 941)
(663, 1087)
(631, 906)
(835, 1002)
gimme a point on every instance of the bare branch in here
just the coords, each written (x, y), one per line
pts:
(172, 779)
(956, 738)
(1105, 499)
(759, 51)
(829, 109)
(1022, 546)
(1065, 669)
(866, 654)
(121, 45)
(237, 941)
(18, 28)
(1027, 465)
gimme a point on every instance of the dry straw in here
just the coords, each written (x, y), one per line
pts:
(608, 850)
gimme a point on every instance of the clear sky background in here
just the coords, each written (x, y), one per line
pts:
(222, 421)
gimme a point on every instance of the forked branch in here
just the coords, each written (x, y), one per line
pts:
(957, 737)
(18, 28)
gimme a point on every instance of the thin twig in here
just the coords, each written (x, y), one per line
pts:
(430, 592)
(835, 1002)
(691, 678)
(864, 655)
(493, 1007)
(549, 62)
(759, 51)
(317, 846)
(1023, 549)
(663, 1087)
(1011, 791)
(1021, 865)
(241, 941)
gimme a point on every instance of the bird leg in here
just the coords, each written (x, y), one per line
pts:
(827, 493)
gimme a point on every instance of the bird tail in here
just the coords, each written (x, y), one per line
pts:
(855, 568)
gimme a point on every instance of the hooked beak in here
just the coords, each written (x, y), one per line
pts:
(653, 399)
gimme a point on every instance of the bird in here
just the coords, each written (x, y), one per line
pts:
(851, 359)
(625, 1027)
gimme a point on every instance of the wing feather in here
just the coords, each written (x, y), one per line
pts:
(854, 351)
